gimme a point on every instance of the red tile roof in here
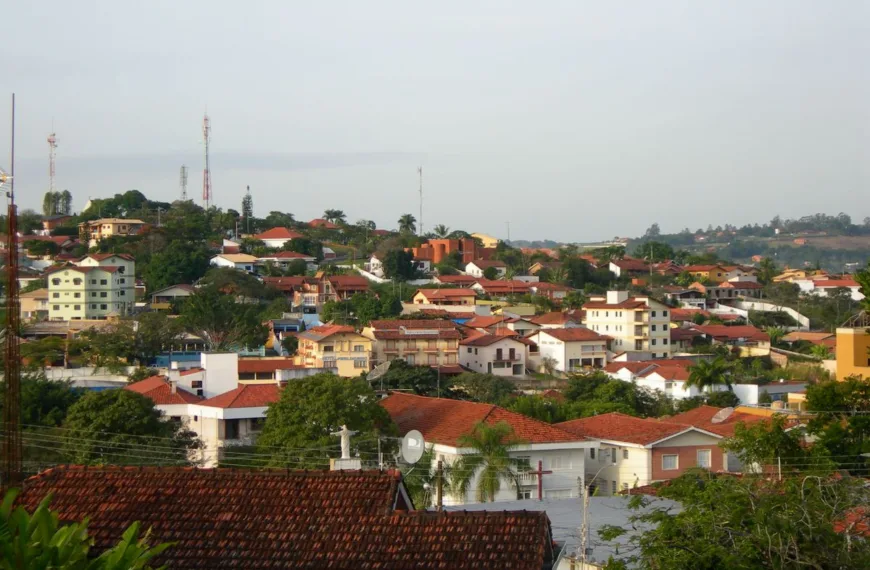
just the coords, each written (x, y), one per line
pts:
(574, 334)
(285, 520)
(321, 223)
(105, 256)
(286, 283)
(486, 263)
(498, 286)
(484, 321)
(397, 324)
(278, 233)
(323, 331)
(544, 286)
(80, 269)
(486, 339)
(438, 294)
(158, 389)
(628, 264)
(348, 282)
(680, 334)
(190, 371)
(254, 365)
(246, 396)
(702, 417)
(554, 318)
(620, 427)
(462, 280)
(740, 285)
(679, 315)
(824, 283)
(630, 303)
(678, 373)
(443, 421)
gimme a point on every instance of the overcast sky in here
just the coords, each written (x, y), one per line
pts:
(572, 120)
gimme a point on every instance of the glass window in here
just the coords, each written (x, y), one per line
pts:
(653, 313)
(592, 454)
(55, 295)
(55, 281)
(664, 313)
(670, 462)
(77, 295)
(57, 307)
(704, 458)
(104, 281)
(77, 281)
(613, 487)
(93, 281)
(104, 307)
(625, 454)
(77, 307)
(103, 294)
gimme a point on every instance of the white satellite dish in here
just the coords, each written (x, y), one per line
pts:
(722, 415)
(379, 370)
(413, 446)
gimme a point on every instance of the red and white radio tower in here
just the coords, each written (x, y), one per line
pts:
(52, 147)
(206, 173)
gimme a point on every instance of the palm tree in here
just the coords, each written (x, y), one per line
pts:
(510, 273)
(441, 231)
(334, 216)
(709, 373)
(775, 334)
(557, 275)
(820, 351)
(490, 462)
(407, 224)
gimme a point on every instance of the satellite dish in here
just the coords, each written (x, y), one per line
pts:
(379, 370)
(413, 446)
(722, 415)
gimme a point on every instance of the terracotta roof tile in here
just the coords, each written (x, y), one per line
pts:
(719, 332)
(245, 396)
(482, 321)
(278, 233)
(574, 334)
(437, 294)
(553, 318)
(443, 421)
(397, 324)
(486, 339)
(323, 331)
(620, 427)
(254, 365)
(702, 417)
(158, 389)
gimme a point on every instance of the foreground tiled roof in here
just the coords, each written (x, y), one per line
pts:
(158, 389)
(443, 421)
(246, 396)
(467, 280)
(282, 519)
(620, 427)
(702, 417)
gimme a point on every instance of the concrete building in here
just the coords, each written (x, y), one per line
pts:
(853, 348)
(638, 451)
(486, 240)
(443, 422)
(445, 297)
(164, 297)
(501, 355)
(420, 342)
(98, 286)
(636, 324)
(335, 347)
(238, 261)
(573, 349)
(104, 228)
(34, 305)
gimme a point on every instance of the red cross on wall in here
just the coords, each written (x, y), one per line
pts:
(540, 473)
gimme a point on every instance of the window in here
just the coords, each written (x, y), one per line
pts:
(625, 454)
(77, 307)
(653, 314)
(121, 280)
(475, 351)
(469, 350)
(525, 493)
(104, 281)
(196, 384)
(231, 429)
(55, 295)
(93, 306)
(93, 293)
(55, 281)
(670, 462)
(557, 462)
(606, 313)
(77, 295)
(104, 307)
(328, 348)
(103, 294)
(56, 307)
(122, 293)
(360, 363)
(433, 359)
(592, 454)
(93, 281)
(653, 342)
(256, 424)
(625, 486)
(77, 281)
(613, 487)
(664, 313)
(704, 458)
(654, 328)
(664, 341)
(524, 463)
(358, 348)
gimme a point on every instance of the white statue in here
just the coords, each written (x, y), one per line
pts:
(344, 434)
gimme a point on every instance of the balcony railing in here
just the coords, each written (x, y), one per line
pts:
(527, 478)
(506, 358)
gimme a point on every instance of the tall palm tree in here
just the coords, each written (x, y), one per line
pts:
(490, 461)
(708, 373)
(335, 216)
(407, 224)
(441, 231)
(775, 334)
(557, 275)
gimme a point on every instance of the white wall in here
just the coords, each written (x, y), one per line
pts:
(480, 356)
(611, 465)
(221, 373)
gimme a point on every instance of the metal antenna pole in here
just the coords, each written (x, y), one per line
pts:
(206, 173)
(12, 471)
(420, 172)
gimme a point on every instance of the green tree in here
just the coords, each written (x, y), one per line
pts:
(334, 216)
(709, 373)
(767, 270)
(484, 387)
(221, 322)
(654, 251)
(490, 273)
(745, 524)
(299, 425)
(441, 231)
(37, 540)
(248, 210)
(399, 265)
(180, 262)
(155, 333)
(775, 334)
(66, 203)
(722, 399)
(41, 248)
(761, 445)
(574, 300)
(44, 403)
(407, 224)
(111, 347)
(123, 427)
(421, 380)
(543, 409)
(489, 463)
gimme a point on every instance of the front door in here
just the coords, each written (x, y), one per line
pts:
(489, 367)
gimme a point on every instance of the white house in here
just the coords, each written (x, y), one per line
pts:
(375, 266)
(477, 267)
(239, 261)
(635, 452)
(497, 354)
(573, 349)
(636, 324)
(821, 287)
(443, 422)
(277, 237)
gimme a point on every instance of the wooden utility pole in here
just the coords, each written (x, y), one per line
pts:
(540, 473)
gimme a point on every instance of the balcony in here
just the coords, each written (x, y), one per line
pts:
(392, 350)
(641, 317)
(527, 479)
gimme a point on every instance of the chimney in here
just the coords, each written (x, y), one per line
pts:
(173, 386)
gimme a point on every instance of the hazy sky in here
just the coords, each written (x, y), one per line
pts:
(572, 120)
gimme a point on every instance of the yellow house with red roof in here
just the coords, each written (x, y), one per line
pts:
(336, 347)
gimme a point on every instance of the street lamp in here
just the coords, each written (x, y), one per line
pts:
(584, 528)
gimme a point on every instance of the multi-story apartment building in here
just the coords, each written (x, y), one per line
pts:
(95, 230)
(636, 324)
(98, 286)
(432, 342)
(335, 347)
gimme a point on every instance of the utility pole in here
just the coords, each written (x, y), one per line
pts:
(420, 172)
(508, 224)
(206, 172)
(439, 486)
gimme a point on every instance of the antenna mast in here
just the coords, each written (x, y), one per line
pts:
(183, 181)
(52, 150)
(12, 468)
(420, 172)
(206, 173)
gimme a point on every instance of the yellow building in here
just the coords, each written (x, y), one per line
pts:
(790, 275)
(95, 230)
(337, 347)
(421, 342)
(97, 287)
(853, 348)
(486, 240)
(34, 305)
